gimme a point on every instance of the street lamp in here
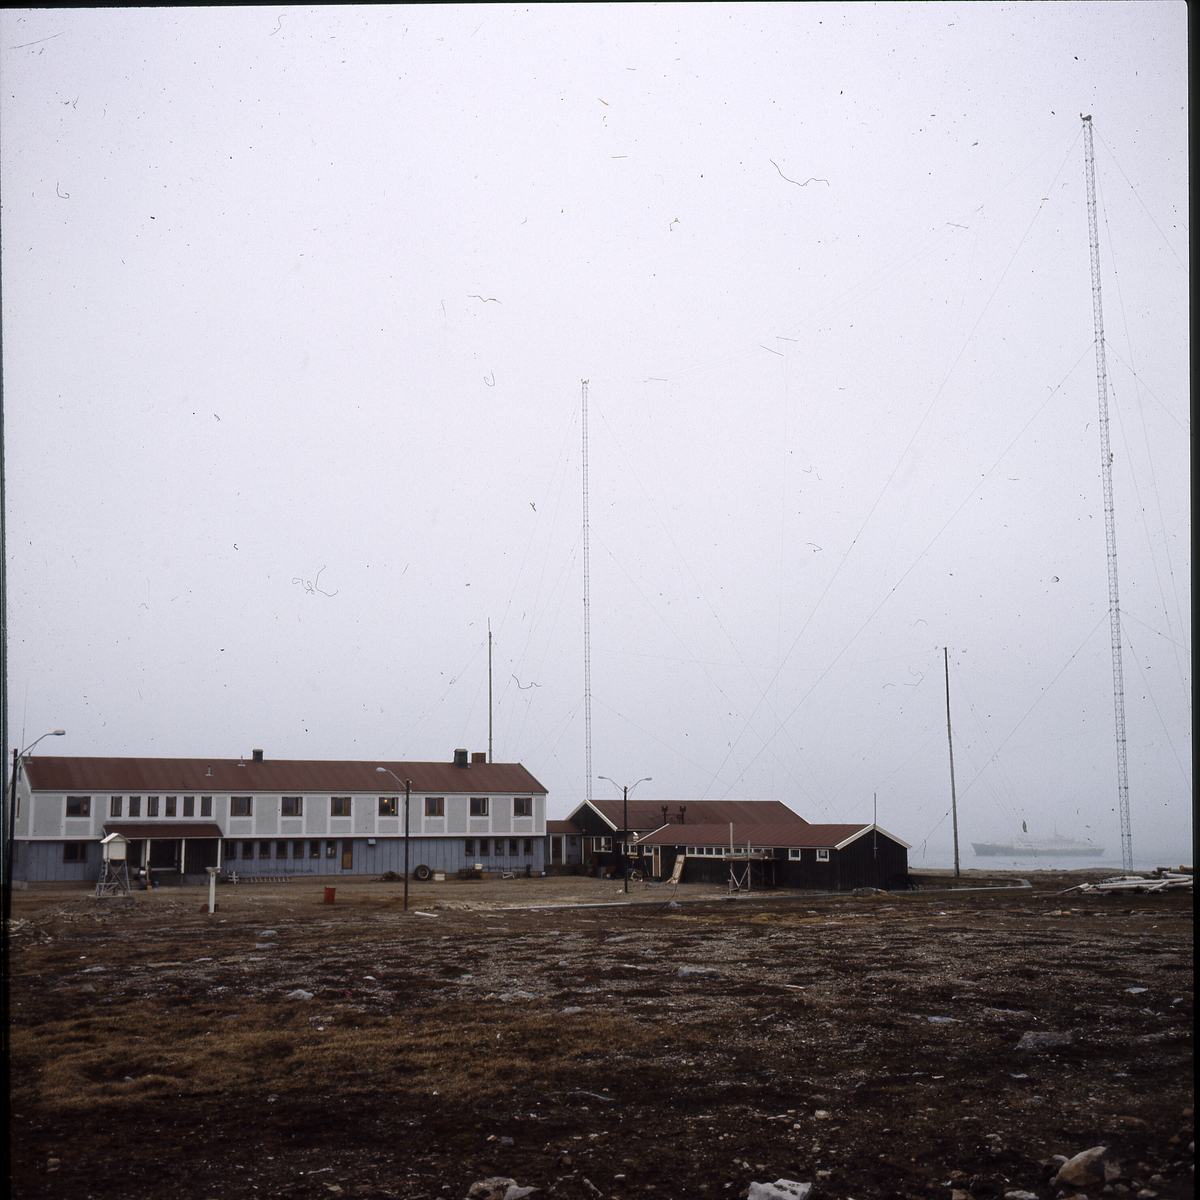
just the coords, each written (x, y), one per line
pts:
(406, 784)
(12, 811)
(7, 897)
(625, 790)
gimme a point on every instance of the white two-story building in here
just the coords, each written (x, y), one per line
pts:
(291, 817)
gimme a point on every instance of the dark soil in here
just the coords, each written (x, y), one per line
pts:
(867, 1044)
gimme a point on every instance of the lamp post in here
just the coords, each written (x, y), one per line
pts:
(625, 790)
(10, 842)
(10, 839)
(407, 786)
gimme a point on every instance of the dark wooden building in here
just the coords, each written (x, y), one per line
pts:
(756, 843)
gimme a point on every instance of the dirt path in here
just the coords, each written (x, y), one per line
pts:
(878, 1046)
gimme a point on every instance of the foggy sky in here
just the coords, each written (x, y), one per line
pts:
(298, 303)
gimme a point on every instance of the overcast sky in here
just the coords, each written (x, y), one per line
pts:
(298, 303)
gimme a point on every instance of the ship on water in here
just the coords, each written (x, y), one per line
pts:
(1024, 846)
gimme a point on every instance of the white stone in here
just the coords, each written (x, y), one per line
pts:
(781, 1189)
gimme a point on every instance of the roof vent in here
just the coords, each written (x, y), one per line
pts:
(258, 756)
(460, 758)
(479, 756)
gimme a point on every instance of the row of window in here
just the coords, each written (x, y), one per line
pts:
(822, 855)
(289, 806)
(514, 844)
(81, 806)
(281, 848)
(233, 848)
(719, 851)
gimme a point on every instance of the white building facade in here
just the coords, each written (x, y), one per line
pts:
(274, 818)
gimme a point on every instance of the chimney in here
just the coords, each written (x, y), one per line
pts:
(479, 756)
(460, 758)
(258, 756)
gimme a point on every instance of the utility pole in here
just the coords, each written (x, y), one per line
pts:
(950, 739)
(1110, 524)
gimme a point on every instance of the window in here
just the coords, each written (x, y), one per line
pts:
(435, 806)
(469, 847)
(529, 845)
(298, 848)
(170, 806)
(484, 843)
(479, 806)
(135, 806)
(523, 806)
(74, 851)
(189, 806)
(388, 806)
(229, 850)
(822, 856)
(206, 806)
(79, 806)
(247, 848)
(339, 806)
(314, 848)
(264, 848)
(114, 806)
(513, 846)
(239, 806)
(281, 849)
(152, 806)
(331, 848)
(292, 806)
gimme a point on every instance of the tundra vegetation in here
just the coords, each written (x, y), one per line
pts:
(910, 1045)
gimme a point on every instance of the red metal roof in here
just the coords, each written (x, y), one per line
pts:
(236, 776)
(648, 814)
(159, 830)
(560, 827)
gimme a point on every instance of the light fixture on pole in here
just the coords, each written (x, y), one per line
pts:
(625, 790)
(10, 838)
(406, 784)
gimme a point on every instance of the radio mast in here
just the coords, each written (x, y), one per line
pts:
(1110, 531)
(587, 616)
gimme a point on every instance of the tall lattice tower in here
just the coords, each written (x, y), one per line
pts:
(1110, 528)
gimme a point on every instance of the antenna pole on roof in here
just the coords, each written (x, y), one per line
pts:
(489, 689)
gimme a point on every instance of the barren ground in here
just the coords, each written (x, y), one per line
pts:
(869, 1044)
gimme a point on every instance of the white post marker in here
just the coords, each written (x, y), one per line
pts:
(213, 872)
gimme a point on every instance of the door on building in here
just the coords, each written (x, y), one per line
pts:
(164, 854)
(556, 849)
(347, 854)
